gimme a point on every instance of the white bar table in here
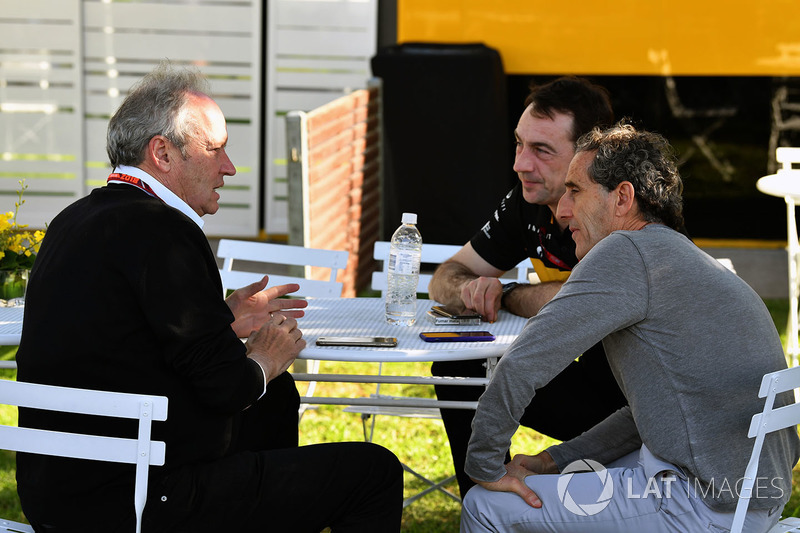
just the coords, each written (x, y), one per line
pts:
(365, 317)
(10, 330)
(786, 184)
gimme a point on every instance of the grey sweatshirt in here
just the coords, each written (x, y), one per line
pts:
(688, 342)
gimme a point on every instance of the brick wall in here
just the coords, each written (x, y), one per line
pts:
(334, 173)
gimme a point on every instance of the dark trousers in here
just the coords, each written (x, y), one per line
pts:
(582, 395)
(349, 487)
(271, 423)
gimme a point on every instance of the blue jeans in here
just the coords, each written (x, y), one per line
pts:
(647, 494)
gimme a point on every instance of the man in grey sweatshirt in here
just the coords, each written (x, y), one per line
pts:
(688, 342)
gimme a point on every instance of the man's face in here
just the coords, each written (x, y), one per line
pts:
(206, 163)
(586, 206)
(544, 150)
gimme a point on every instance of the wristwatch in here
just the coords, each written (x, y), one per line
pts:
(507, 288)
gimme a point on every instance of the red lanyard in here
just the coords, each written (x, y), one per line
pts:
(132, 180)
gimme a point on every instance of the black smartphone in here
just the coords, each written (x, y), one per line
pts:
(450, 312)
(456, 336)
(380, 342)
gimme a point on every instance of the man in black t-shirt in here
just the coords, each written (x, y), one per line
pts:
(525, 225)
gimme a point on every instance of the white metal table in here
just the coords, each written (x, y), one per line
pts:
(786, 184)
(365, 317)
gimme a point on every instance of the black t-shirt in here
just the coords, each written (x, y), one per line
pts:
(518, 230)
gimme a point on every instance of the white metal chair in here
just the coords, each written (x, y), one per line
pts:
(281, 256)
(767, 421)
(141, 451)
(434, 254)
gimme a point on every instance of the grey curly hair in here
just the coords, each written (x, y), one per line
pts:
(647, 161)
(154, 106)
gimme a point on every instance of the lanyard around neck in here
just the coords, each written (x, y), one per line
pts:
(117, 177)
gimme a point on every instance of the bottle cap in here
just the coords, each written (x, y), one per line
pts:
(409, 218)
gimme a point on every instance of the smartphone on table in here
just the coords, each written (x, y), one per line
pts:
(456, 336)
(451, 312)
(379, 342)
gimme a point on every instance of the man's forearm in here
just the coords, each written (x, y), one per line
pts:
(447, 281)
(526, 300)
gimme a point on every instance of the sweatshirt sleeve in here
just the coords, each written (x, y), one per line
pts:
(606, 292)
(611, 439)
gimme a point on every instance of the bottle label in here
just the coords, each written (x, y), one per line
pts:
(404, 262)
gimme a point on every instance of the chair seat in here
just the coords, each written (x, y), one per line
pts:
(787, 525)
(15, 527)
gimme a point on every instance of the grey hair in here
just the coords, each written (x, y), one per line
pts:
(154, 106)
(644, 159)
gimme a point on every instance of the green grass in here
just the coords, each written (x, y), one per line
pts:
(422, 444)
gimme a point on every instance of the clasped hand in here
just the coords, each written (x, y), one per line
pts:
(252, 306)
(269, 323)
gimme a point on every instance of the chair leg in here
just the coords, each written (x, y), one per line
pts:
(433, 486)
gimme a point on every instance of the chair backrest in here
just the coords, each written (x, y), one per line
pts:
(282, 254)
(787, 156)
(433, 254)
(767, 421)
(140, 451)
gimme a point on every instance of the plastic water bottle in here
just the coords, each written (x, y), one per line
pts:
(403, 273)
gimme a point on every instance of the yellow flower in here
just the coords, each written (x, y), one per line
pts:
(18, 248)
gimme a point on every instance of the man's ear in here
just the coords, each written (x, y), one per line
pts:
(158, 153)
(626, 198)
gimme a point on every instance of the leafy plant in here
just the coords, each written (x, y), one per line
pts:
(18, 246)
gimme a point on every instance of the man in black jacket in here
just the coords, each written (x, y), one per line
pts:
(146, 315)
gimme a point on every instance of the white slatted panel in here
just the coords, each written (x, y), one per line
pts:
(76, 59)
(41, 111)
(125, 40)
(317, 50)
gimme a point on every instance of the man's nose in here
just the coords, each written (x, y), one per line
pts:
(227, 166)
(564, 210)
(523, 161)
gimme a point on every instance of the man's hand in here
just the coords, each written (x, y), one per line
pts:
(275, 345)
(466, 279)
(509, 483)
(483, 295)
(520, 467)
(252, 306)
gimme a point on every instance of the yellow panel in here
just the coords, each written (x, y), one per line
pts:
(633, 37)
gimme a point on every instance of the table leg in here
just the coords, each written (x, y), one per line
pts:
(793, 252)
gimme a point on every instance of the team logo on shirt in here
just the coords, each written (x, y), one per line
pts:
(604, 489)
